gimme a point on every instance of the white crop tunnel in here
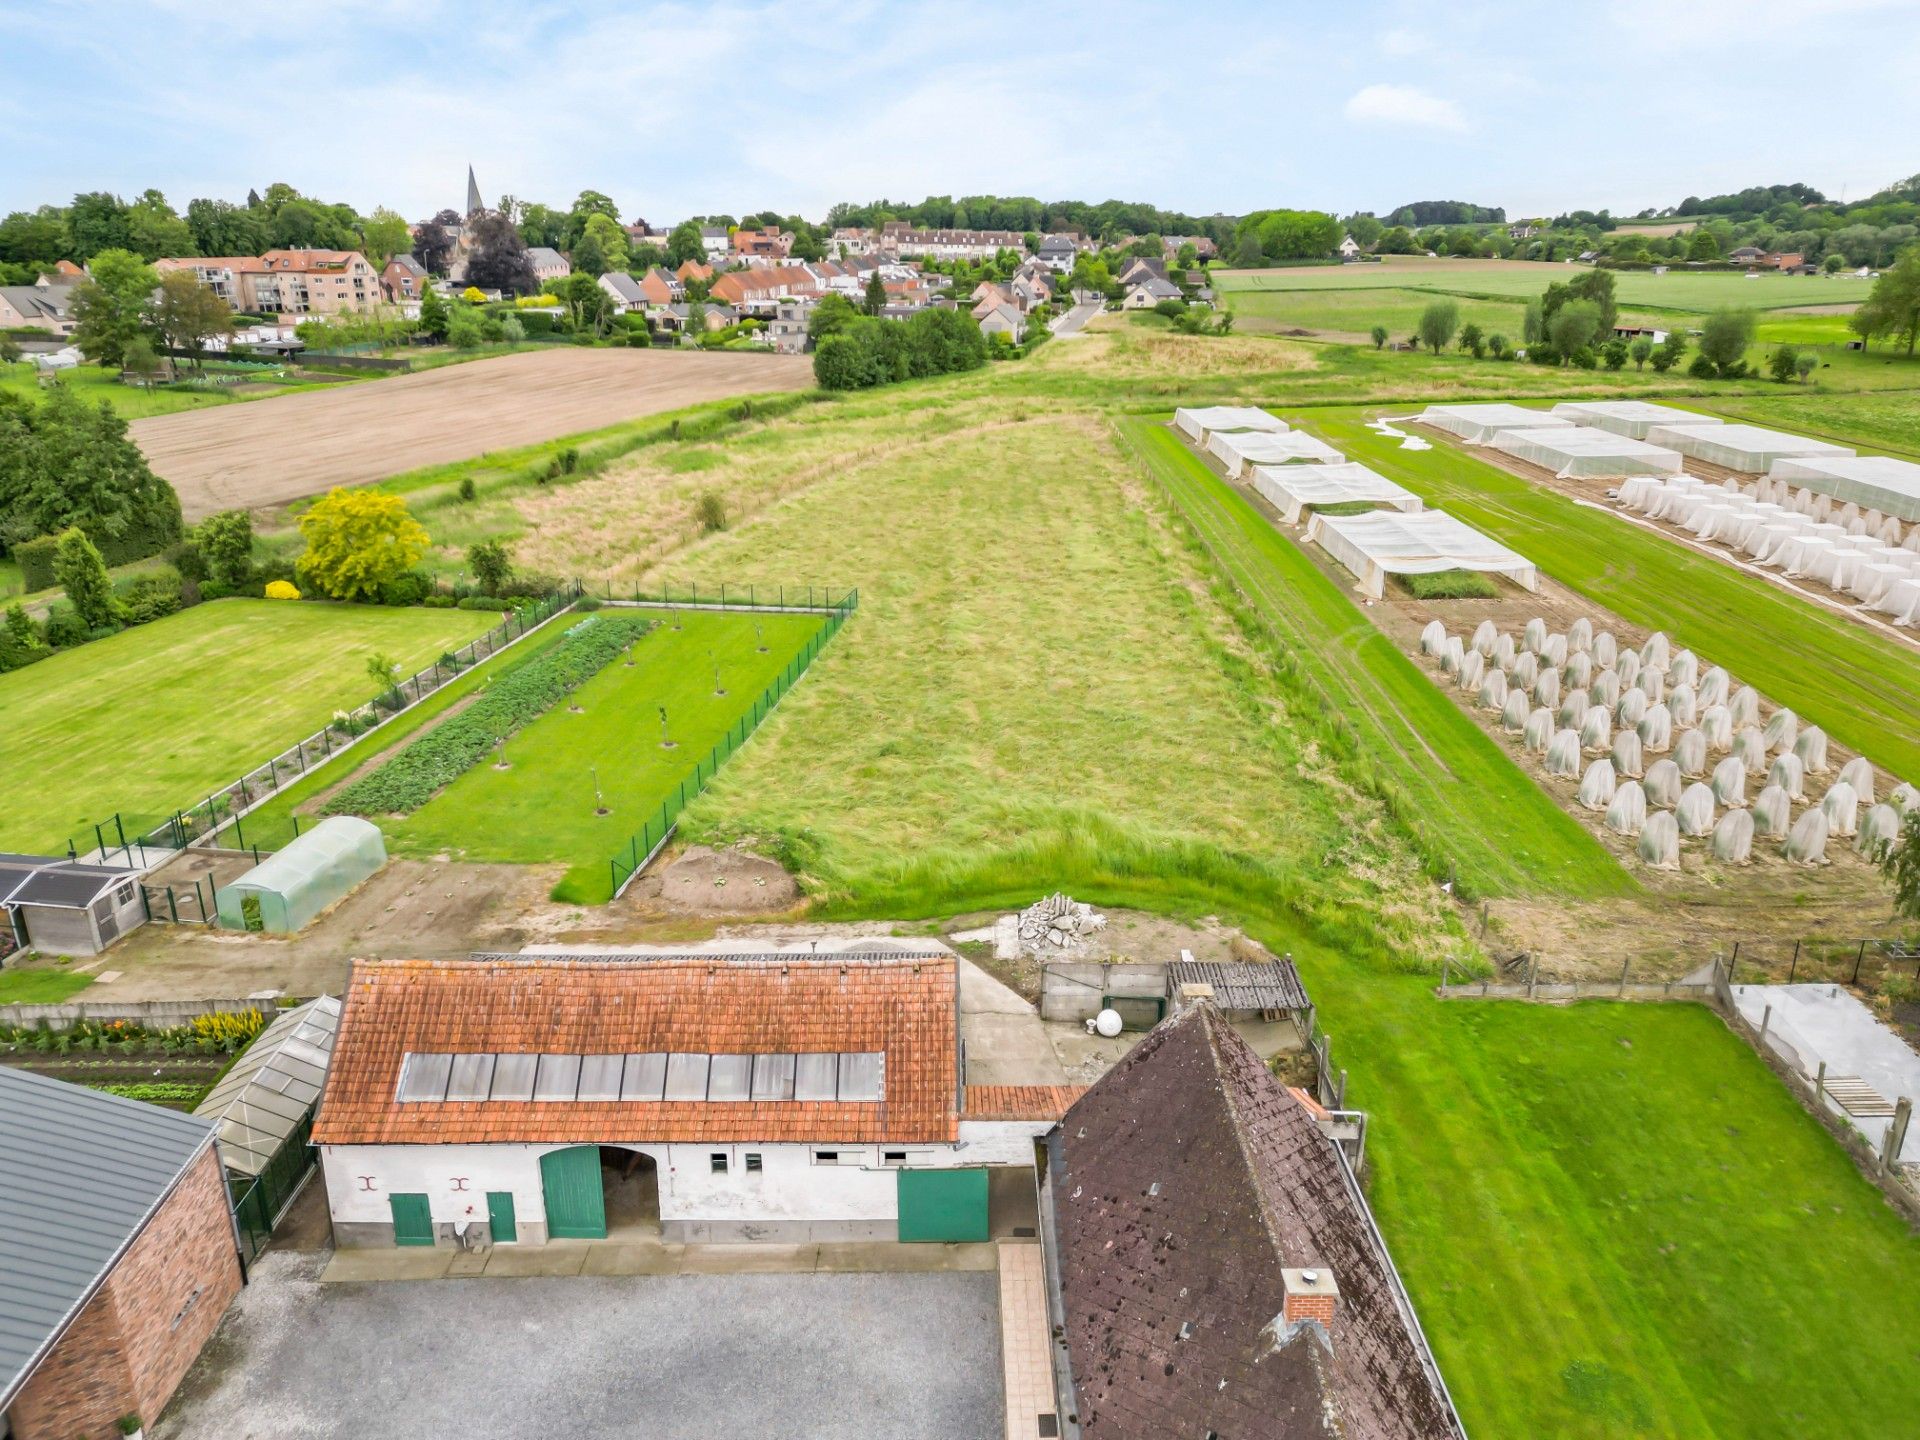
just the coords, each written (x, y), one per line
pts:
(1425, 543)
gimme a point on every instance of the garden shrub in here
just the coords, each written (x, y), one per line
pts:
(36, 561)
(152, 596)
(408, 589)
(281, 590)
(484, 602)
(516, 699)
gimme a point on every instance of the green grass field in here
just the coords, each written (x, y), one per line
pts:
(541, 809)
(153, 718)
(132, 402)
(1886, 420)
(39, 985)
(1522, 279)
(1863, 688)
(1478, 810)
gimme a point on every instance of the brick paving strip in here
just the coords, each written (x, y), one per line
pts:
(1024, 1340)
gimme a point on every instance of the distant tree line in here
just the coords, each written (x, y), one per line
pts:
(1107, 221)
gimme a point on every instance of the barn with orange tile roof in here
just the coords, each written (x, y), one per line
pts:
(782, 1096)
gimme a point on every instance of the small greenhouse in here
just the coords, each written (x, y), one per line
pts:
(1236, 450)
(1877, 482)
(270, 1091)
(285, 891)
(1746, 448)
(1478, 424)
(1293, 489)
(1579, 452)
(1201, 423)
(1425, 543)
(1632, 418)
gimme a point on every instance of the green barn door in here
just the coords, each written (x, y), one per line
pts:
(500, 1221)
(570, 1180)
(943, 1205)
(412, 1223)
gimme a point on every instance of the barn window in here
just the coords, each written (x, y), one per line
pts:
(717, 1161)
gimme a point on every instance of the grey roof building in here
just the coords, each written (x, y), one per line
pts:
(82, 1176)
(1217, 1268)
(66, 907)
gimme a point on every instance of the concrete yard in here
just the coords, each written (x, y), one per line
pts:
(1827, 1023)
(670, 1358)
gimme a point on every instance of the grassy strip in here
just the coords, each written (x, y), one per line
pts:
(1441, 777)
(1449, 585)
(1831, 670)
(435, 760)
(39, 987)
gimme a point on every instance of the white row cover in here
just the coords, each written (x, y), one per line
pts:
(1205, 420)
(1425, 543)
(1632, 418)
(1582, 452)
(1746, 448)
(1291, 489)
(1478, 424)
(1879, 481)
(1237, 449)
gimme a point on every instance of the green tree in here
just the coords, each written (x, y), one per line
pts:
(433, 314)
(589, 258)
(1901, 864)
(1473, 340)
(1804, 364)
(1614, 352)
(832, 315)
(111, 306)
(384, 235)
(154, 229)
(1701, 245)
(1834, 264)
(684, 244)
(491, 565)
(1669, 352)
(140, 361)
(226, 540)
(79, 570)
(97, 222)
(589, 306)
(1379, 334)
(384, 670)
(1438, 323)
(1573, 327)
(613, 241)
(876, 296)
(1782, 362)
(1497, 345)
(466, 327)
(1725, 337)
(1533, 325)
(20, 642)
(586, 205)
(357, 542)
(838, 363)
(222, 228)
(187, 314)
(1893, 309)
(1641, 350)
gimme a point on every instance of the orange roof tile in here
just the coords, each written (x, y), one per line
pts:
(1019, 1102)
(905, 1008)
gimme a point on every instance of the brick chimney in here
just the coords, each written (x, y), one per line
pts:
(1310, 1295)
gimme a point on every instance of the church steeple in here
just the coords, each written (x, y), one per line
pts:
(474, 202)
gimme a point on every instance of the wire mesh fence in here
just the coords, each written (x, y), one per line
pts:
(729, 595)
(1869, 963)
(646, 842)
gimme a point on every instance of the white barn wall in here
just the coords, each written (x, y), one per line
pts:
(790, 1199)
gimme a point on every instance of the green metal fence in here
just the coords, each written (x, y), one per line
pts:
(651, 836)
(260, 1201)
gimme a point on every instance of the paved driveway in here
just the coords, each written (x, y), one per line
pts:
(669, 1358)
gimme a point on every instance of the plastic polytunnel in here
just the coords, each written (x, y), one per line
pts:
(1578, 452)
(1478, 424)
(1746, 448)
(1238, 450)
(1202, 421)
(1628, 812)
(1885, 484)
(285, 891)
(268, 1092)
(1633, 418)
(1385, 542)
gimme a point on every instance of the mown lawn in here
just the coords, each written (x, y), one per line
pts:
(541, 809)
(1887, 420)
(39, 985)
(1864, 689)
(95, 383)
(151, 719)
(1474, 807)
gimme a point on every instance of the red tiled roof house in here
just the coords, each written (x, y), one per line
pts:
(781, 1097)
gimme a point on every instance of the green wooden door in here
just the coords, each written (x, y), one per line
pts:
(500, 1217)
(570, 1180)
(412, 1222)
(943, 1205)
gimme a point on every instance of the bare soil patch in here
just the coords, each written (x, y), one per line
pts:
(270, 451)
(705, 883)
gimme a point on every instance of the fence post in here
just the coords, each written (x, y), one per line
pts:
(1443, 975)
(1896, 1135)
(1766, 1019)
(1733, 963)
(1794, 968)
(1820, 1085)
(173, 910)
(1624, 966)
(1533, 972)
(1861, 955)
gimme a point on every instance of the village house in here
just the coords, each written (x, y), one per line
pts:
(118, 1252)
(786, 332)
(624, 291)
(548, 264)
(693, 270)
(1146, 293)
(768, 243)
(757, 290)
(781, 1097)
(717, 241)
(714, 315)
(900, 238)
(997, 316)
(1142, 268)
(1349, 248)
(44, 305)
(1203, 247)
(1212, 1265)
(1057, 253)
(403, 280)
(231, 277)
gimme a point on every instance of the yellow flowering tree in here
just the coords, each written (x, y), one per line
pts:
(357, 542)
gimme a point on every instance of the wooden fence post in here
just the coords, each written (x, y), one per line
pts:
(1533, 972)
(1896, 1134)
(1820, 1084)
(1625, 965)
(1766, 1019)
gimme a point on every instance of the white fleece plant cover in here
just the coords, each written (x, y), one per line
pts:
(1478, 424)
(1290, 489)
(1632, 418)
(1237, 449)
(1746, 448)
(1582, 452)
(1204, 420)
(1424, 543)
(1877, 482)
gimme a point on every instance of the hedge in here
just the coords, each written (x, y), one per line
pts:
(448, 751)
(36, 561)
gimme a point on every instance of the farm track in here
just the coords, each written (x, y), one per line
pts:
(1448, 769)
(271, 451)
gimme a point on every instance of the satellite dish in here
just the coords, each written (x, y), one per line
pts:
(1108, 1023)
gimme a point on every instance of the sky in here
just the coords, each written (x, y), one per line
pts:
(735, 106)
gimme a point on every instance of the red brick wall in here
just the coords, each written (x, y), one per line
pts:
(136, 1338)
(1310, 1307)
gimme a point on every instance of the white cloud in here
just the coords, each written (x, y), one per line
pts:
(1404, 105)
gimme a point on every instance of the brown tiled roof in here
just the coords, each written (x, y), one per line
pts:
(1184, 1182)
(905, 1008)
(1019, 1102)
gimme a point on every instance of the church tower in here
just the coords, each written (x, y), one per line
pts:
(474, 202)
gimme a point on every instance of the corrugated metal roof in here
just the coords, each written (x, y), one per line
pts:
(276, 1081)
(80, 1172)
(56, 881)
(1243, 987)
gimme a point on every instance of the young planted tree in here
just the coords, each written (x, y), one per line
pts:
(1438, 322)
(876, 296)
(1573, 327)
(79, 570)
(187, 314)
(357, 542)
(226, 540)
(1804, 364)
(433, 314)
(1641, 350)
(1724, 339)
(1782, 363)
(1901, 863)
(1497, 345)
(1669, 351)
(1472, 341)
(110, 307)
(1379, 333)
(1892, 311)
(491, 565)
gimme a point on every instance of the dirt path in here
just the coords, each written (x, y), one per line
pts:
(270, 451)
